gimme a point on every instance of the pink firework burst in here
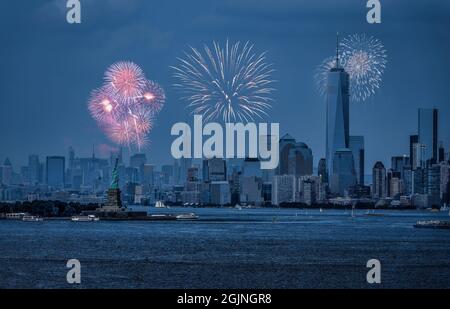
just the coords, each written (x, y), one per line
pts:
(131, 130)
(126, 80)
(142, 119)
(101, 104)
(120, 132)
(154, 96)
(126, 106)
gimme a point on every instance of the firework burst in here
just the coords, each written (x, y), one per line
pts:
(153, 96)
(364, 59)
(133, 130)
(321, 74)
(101, 104)
(227, 83)
(125, 80)
(127, 104)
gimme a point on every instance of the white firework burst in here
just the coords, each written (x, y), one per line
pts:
(229, 83)
(364, 59)
(321, 74)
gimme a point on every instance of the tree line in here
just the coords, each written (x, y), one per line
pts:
(47, 208)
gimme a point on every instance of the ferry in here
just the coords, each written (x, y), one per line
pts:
(15, 215)
(433, 224)
(89, 218)
(32, 219)
(189, 216)
(162, 217)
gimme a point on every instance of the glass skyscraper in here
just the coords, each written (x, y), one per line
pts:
(428, 133)
(295, 157)
(413, 139)
(337, 102)
(56, 167)
(300, 160)
(322, 170)
(356, 145)
(379, 181)
(343, 176)
(34, 170)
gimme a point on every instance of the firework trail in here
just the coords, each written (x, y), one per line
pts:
(364, 59)
(127, 104)
(229, 83)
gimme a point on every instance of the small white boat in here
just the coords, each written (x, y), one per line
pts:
(189, 216)
(32, 219)
(89, 218)
(160, 204)
(435, 224)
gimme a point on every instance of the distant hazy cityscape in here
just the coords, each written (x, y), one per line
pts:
(419, 180)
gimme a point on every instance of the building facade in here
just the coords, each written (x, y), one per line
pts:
(379, 181)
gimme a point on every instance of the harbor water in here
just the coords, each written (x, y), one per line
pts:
(230, 248)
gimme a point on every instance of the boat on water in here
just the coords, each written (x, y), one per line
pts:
(162, 217)
(189, 216)
(160, 204)
(88, 218)
(373, 214)
(433, 224)
(15, 215)
(32, 219)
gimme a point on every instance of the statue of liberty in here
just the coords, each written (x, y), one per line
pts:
(115, 177)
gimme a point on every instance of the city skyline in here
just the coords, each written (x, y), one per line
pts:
(354, 143)
(299, 109)
(232, 146)
(295, 158)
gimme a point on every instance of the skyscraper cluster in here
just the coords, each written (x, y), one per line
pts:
(423, 176)
(419, 178)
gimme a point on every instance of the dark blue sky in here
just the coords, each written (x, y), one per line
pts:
(48, 67)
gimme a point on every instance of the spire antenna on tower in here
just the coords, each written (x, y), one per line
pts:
(337, 50)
